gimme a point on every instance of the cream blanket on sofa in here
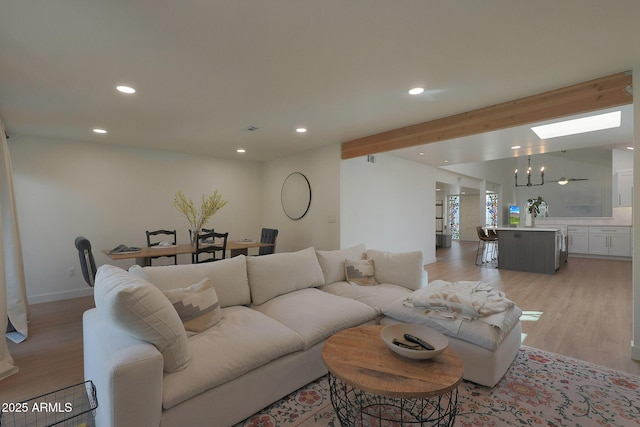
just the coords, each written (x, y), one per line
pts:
(437, 306)
(468, 298)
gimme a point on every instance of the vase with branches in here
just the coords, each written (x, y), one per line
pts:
(198, 218)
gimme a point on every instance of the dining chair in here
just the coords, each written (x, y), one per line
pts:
(87, 263)
(172, 239)
(268, 235)
(206, 243)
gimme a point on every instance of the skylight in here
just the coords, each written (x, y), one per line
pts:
(576, 126)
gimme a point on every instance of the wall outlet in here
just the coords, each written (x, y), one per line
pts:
(71, 271)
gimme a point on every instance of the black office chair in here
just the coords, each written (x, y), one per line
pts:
(268, 235)
(206, 244)
(87, 262)
(171, 233)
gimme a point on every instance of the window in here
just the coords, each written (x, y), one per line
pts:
(454, 216)
(492, 210)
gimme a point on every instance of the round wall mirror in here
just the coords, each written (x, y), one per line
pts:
(296, 195)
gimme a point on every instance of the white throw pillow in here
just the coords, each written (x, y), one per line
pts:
(140, 309)
(360, 272)
(399, 268)
(332, 262)
(281, 273)
(197, 305)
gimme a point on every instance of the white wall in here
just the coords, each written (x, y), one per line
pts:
(470, 216)
(111, 195)
(320, 227)
(388, 205)
(635, 342)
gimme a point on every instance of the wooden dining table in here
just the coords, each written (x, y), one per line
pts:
(144, 255)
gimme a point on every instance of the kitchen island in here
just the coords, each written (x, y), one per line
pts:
(531, 249)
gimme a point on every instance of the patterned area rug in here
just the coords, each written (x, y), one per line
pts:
(539, 389)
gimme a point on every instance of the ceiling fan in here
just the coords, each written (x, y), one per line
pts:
(565, 181)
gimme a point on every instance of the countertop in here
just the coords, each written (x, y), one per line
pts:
(528, 229)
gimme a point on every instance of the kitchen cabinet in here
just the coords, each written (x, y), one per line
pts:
(612, 241)
(578, 240)
(623, 192)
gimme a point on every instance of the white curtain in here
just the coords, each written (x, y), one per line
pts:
(13, 295)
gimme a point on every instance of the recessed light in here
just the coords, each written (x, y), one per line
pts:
(125, 89)
(241, 150)
(421, 153)
(629, 148)
(416, 91)
(301, 130)
(515, 147)
(100, 131)
(576, 126)
(446, 161)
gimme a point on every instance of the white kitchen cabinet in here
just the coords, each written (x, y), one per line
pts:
(623, 191)
(578, 240)
(612, 241)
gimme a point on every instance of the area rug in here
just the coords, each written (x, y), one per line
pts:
(539, 389)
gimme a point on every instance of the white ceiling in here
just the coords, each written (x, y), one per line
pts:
(206, 71)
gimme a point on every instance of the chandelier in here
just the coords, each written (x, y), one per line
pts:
(529, 184)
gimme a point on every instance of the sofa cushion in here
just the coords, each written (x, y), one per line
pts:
(332, 262)
(141, 310)
(399, 268)
(228, 277)
(359, 272)
(316, 315)
(197, 305)
(377, 296)
(278, 274)
(242, 341)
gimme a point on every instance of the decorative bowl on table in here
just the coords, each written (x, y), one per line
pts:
(394, 337)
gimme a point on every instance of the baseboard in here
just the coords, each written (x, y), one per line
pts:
(635, 351)
(429, 260)
(59, 296)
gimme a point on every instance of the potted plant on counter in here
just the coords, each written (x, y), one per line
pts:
(533, 209)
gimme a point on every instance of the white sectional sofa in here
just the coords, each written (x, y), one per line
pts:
(257, 335)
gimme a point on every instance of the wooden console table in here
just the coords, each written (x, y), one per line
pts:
(368, 381)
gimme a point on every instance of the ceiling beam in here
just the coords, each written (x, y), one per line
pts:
(593, 95)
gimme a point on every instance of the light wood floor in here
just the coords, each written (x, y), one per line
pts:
(583, 311)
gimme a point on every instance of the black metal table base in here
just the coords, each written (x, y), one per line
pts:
(355, 407)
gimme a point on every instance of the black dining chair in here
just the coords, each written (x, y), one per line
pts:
(171, 239)
(87, 263)
(268, 235)
(206, 243)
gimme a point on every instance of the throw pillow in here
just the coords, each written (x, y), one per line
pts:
(359, 272)
(141, 310)
(197, 305)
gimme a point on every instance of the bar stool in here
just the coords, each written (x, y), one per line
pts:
(487, 246)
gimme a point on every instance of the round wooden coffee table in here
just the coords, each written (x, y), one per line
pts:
(370, 384)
